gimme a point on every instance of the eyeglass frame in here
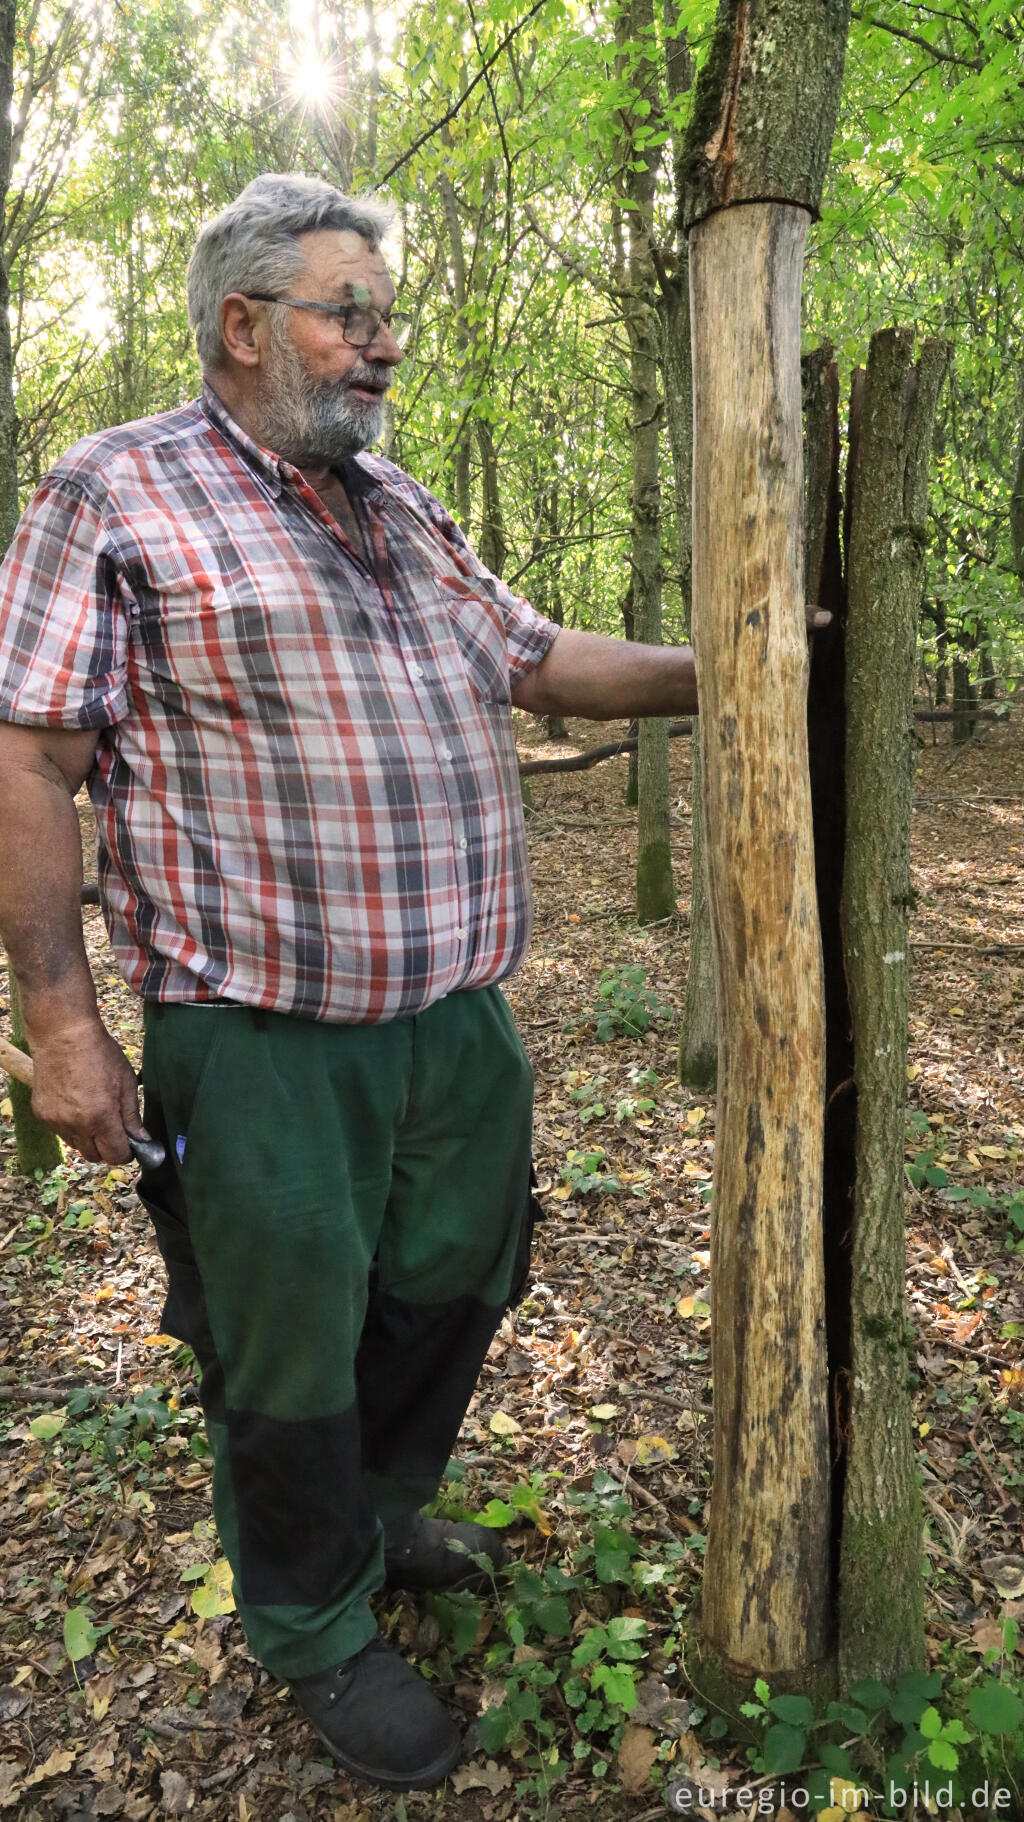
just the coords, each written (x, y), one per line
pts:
(343, 312)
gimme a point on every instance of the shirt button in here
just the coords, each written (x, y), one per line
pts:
(461, 934)
(463, 843)
(447, 753)
(417, 670)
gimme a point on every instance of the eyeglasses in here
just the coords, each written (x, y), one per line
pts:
(359, 322)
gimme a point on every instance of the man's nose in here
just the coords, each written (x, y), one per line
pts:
(386, 347)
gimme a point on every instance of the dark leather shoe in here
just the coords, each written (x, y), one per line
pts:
(381, 1720)
(418, 1557)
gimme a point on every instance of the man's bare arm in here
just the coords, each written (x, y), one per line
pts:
(84, 1084)
(601, 679)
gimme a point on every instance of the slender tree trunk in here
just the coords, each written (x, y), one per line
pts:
(698, 1033)
(698, 1030)
(546, 593)
(655, 890)
(938, 615)
(38, 1147)
(881, 1590)
(965, 701)
(633, 730)
(461, 454)
(826, 735)
(492, 546)
(988, 673)
(1017, 509)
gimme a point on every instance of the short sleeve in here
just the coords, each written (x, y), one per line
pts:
(63, 625)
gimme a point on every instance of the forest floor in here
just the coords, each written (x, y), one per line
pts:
(590, 1427)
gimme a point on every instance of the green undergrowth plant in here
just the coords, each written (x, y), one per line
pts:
(587, 1171)
(958, 1736)
(924, 1171)
(566, 1637)
(143, 1432)
(590, 1095)
(625, 1006)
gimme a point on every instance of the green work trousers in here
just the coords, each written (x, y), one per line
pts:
(344, 1213)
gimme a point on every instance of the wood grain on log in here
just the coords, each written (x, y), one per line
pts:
(766, 1586)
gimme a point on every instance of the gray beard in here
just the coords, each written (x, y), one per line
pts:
(316, 422)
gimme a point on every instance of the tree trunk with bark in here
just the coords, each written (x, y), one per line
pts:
(632, 792)
(493, 545)
(1017, 509)
(965, 701)
(461, 454)
(655, 890)
(698, 1030)
(763, 120)
(881, 1614)
(937, 614)
(37, 1146)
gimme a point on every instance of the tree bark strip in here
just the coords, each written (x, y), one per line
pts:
(766, 1582)
(881, 1616)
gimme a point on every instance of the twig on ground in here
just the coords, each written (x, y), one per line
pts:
(1000, 1490)
(973, 948)
(656, 1396)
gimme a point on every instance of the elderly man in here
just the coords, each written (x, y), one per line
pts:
(288, 682)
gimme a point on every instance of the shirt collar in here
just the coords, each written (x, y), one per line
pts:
(277, 472)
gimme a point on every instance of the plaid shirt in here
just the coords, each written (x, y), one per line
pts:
(305, 778)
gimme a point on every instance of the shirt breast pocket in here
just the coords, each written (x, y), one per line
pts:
(479, 630)
(224, 642)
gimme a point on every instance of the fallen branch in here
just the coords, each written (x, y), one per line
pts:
(972, 948)
(581, 762)
(59, 1394)
(964, 715)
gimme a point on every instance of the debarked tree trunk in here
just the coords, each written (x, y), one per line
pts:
(766, 1588)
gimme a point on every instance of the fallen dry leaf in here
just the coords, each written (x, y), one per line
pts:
(59, 1761)
(637, 1753)
(491, 1776)
(176, 1793)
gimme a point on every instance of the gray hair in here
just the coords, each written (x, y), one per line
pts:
(252, 245)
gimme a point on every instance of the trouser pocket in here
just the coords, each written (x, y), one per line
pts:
(532, 1213)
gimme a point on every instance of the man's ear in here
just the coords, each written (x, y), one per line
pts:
(240, 329)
